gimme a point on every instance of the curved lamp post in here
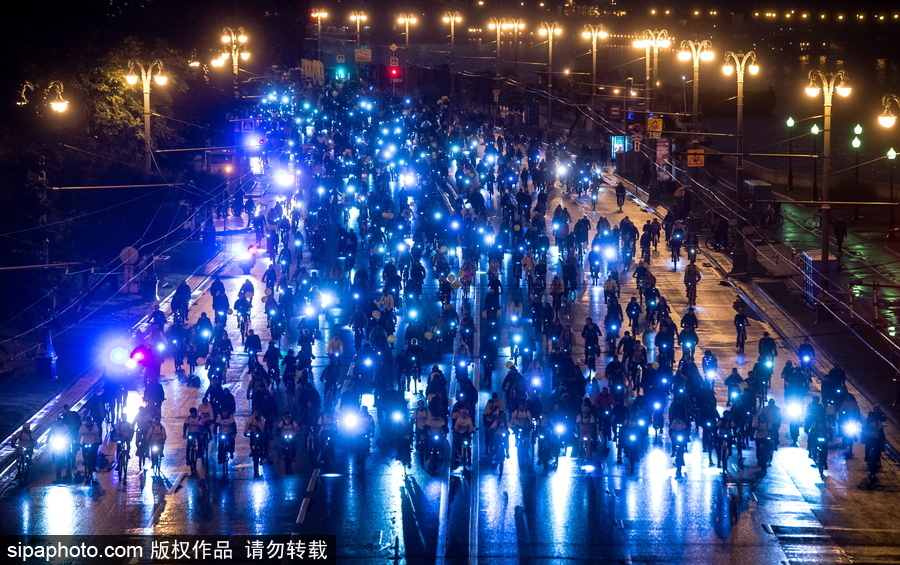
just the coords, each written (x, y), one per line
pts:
(148, 73)
(737, 64)
(696, 51)
(826, 84)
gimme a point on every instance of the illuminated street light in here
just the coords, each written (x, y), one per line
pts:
(319, 15)
(652, 39)
(357, 17)
(739, 63)
(452, 18)
(516, 26)
(550, 29)
(57, 103)
(593, 32)
(497, 25)
(826, 84)
(695, 51)
(887, 118)
(152, 72)
(236, 48)
(406, 20)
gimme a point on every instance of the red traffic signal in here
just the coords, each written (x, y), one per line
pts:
(394, 72)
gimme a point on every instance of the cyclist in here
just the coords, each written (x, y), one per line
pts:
(692, 277)
(767, 346)
(89, 438)
(335, 347)
(520, 419)
(587, 428)
(252, 345)
(689, 320)
(23, 441)
(272, 358)
(287, 426)
(420, 417)
(226, 425)
(463, 426)
(676, 427)
(156, 435)
(610, 289)
(254, 425)
(740, 324)
(123, 431)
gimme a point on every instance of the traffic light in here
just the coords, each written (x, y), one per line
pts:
(394, 73)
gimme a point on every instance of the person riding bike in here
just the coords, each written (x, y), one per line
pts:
(740, 324)
(256, 424)
(23, 440)
(156, 435)
(463, 426)
(89, 439)
(767, 346)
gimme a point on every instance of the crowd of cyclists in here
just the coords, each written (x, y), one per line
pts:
(431, 237)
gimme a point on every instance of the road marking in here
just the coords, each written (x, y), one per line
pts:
(304, 506)
(176, 483)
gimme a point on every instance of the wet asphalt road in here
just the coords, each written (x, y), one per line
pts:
(581, 511)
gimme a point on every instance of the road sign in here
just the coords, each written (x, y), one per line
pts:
(362, 55)
(340, 58)
(394, 47)
(614, 111)
(654, 127)
(394, 62)
(247, 125)
(696, 158)
(496, 95)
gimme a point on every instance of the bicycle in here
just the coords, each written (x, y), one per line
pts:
(741, 338)
(713, 243)
(23, 465)
(813, 222)
(122, 458)
(243, 325)
(680, 441)
(156, 450)
(676, 256)
(191, 450)
(691, 289)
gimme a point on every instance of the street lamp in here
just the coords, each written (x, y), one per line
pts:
(856, 144)
(652, 39)
(739, 63)
(152, 72)
(319, 15)
(790, 125)
(452, 18)
(497, 24)
(57, 103)
(814, 130)
(235, 42)
(406, 20)
(891, 155)
(887, 118)
(550, 30)
(593, 32)
(696, 51)
(830, 83)
(357, 17)
(516, 26)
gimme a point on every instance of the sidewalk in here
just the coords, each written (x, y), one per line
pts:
(776, 302)
(83, 348)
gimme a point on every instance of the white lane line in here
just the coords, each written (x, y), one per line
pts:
(304, 506)
(176, 483)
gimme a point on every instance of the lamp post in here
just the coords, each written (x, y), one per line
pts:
(695, 51)
(856, 144)
(497, 25)
(814, 130)
(148, 73)
(516, 26)
(57, 103)
(887, 119)
(739, 63)
(550, 29)
(891, 155)
(790, 125)
(593, 32)
(235, 47)
(319, 15)
(357, 17)
(406, 20)
(452, 18)
(826, 83)
(652, 39)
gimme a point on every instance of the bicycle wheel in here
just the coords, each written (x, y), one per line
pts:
(711, 243)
